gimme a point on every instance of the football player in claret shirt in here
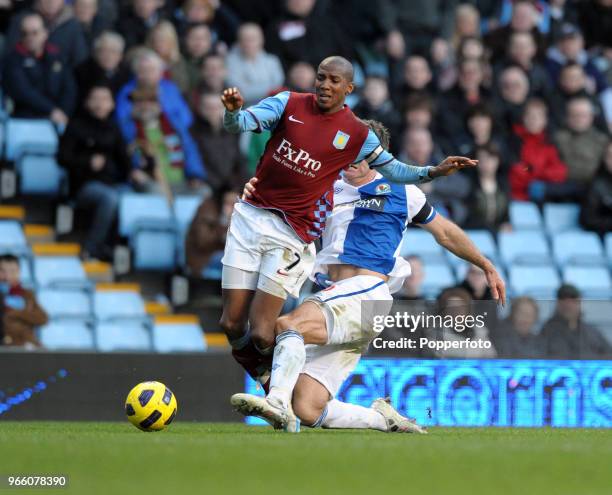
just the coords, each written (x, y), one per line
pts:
(269, 251)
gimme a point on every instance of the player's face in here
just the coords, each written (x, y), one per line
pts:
(331, 88)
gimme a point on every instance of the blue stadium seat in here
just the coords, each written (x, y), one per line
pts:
(117, 304)
(60, 271)
(608, 244)
(123, 335)
(154, 247)
(178, 337)
(484, 241)
(135, 209)
(578, 248)
(525, 215)
(537, 281)
(67, 334)
(29, 136)
(185, 208)
(418, 241)
(527, 247)
(65, 303)
(12, 238)
(437, 277)
(559, 217)
(40, 174)
(25, 272)
(592, 281)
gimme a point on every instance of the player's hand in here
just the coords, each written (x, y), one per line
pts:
(232, 99)
(450, 165)
(249, 188)
(497, 286)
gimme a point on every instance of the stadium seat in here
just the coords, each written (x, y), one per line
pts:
(154, 247)
(185, 208)
(537, 281)
(67, 334)
(135, 209)
(561, 217)
(525, 215)
(60, 271)
(608, 244)
(12, 238)
(484, 241)
(437, 277)
(178, 333)
(419, 242)
(592, 281)
(29, 136)
(65, 303)
(123, 335)
(116, 304)
(25, 272)
(577, 248)
(526, 247)
(40, 174)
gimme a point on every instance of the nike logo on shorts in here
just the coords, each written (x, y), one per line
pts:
(293, 119)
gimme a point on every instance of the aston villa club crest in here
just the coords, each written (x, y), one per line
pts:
(340, 140)
(382, 189)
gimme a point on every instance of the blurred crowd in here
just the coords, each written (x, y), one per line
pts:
(133, 87)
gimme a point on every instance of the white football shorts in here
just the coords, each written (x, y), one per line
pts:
(350, 328)
(261, 243)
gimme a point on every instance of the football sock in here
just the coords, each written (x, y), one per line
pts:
(266, 351)
(287, 364)
(343, 415)
(241, 342)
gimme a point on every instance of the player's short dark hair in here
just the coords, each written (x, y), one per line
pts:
(382, 133)
(341, 63)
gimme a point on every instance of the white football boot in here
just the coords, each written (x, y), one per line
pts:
(279, 417)
(396, 423)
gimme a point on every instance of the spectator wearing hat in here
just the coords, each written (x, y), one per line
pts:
(567, 336)
(36, 77)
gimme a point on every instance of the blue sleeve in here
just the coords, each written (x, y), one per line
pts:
(390, 168)
(263, 116)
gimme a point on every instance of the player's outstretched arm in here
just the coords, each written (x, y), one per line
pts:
(262, 116)
(453, 238)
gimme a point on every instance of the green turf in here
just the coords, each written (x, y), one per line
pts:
(219, 459)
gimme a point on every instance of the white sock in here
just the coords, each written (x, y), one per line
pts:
(343, 415)
(287, 364)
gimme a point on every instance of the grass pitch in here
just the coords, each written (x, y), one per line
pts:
(219, 459)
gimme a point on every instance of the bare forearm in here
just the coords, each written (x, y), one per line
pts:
(457, 242)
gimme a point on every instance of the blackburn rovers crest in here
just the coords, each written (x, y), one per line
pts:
(340, 140)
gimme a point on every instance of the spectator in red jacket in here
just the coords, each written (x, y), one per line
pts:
(538, 162)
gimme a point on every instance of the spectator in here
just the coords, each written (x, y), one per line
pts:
(219, 17)
(105, 66)
(139, 18)
(92, 23)
(198, 44)
(219, 148)
(456, 102)
(489, 199)
(206, 234)
(213, 74)
(538, 163)
(447, 193)
(567, 336)
(467, 24)
(522, 51)
(162, 39)
(375, 104)
(418, 113)
(94, 153)
(417, 79)
(304, 33)
(513, 94)
(573, 84)
(596, 211)
(581, 145)
(412, 287)
(301, 77)
(250, 68)
(63, 30)
(516, 337)
(481, 126)
(21, 313)
(524, 20)
(456, 302)
(596, 19)
(36, 78)
(155, 121)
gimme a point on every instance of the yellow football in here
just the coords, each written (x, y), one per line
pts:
(150, 406)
